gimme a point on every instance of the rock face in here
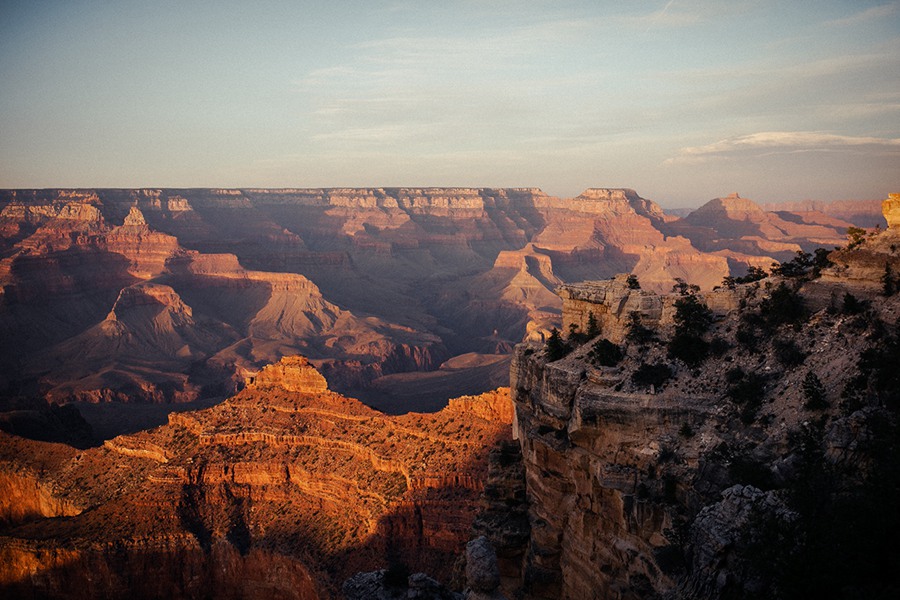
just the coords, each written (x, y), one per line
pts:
(292, 373)
(613, 301)
(698, 485)
(721, 534)
(891, 210)
(132, 315)
(503, 515)
(283, 490)
(862, 213)
(482, 572)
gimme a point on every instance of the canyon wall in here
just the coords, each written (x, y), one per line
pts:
(710, 480)
(175, 294)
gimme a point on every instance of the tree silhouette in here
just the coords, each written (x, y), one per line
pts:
(556, 348)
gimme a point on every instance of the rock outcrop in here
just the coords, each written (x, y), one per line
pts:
(482, 572)
(722, 535)
(875, 257)
(612, 302)
(891, 210)
(292, 373)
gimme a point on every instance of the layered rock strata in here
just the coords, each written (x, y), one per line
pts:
(366, 282)
(281, 491)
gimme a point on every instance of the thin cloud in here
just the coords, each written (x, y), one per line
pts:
(783, 142)
(379, 134)
(873, 13)
(514, 43)
(684, 13)
(675, 19)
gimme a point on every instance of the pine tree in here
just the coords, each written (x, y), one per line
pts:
(556, 347)
(593, 328)
(887, 280)
(814, 392)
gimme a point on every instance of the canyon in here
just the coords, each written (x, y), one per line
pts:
(177, 295)
(712, 440)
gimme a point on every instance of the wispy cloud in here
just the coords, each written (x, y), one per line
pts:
(663, 17)
(381, 134)
(462, 85)
(873, 13)
(783, 142)
(673, 14)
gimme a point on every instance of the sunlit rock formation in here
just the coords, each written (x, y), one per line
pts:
(283, 490)
(891, 210)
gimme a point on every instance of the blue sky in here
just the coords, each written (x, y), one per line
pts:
(683, 100)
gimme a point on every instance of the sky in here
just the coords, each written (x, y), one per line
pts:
(681, 100)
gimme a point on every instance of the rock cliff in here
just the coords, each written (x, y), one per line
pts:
(719, 475)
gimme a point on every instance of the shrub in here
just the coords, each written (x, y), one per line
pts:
(856, 236)
(788, 353)
(686, 431)
(666, 454)
(747, 391)
(746, 337)
(689, 348)
(796, 267)
(854, 394)
(734, 375)
(633, 283)
(783, 306)
(754, 273)
(692, 320)
(852, 305)
(880, 367)
(821, 261)
(655, 374)
(719, 346)
(692, 315)
(593, 328)
(888, 283)
(683, 288)
(576, 337)
(605, 354)
(637, 332)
